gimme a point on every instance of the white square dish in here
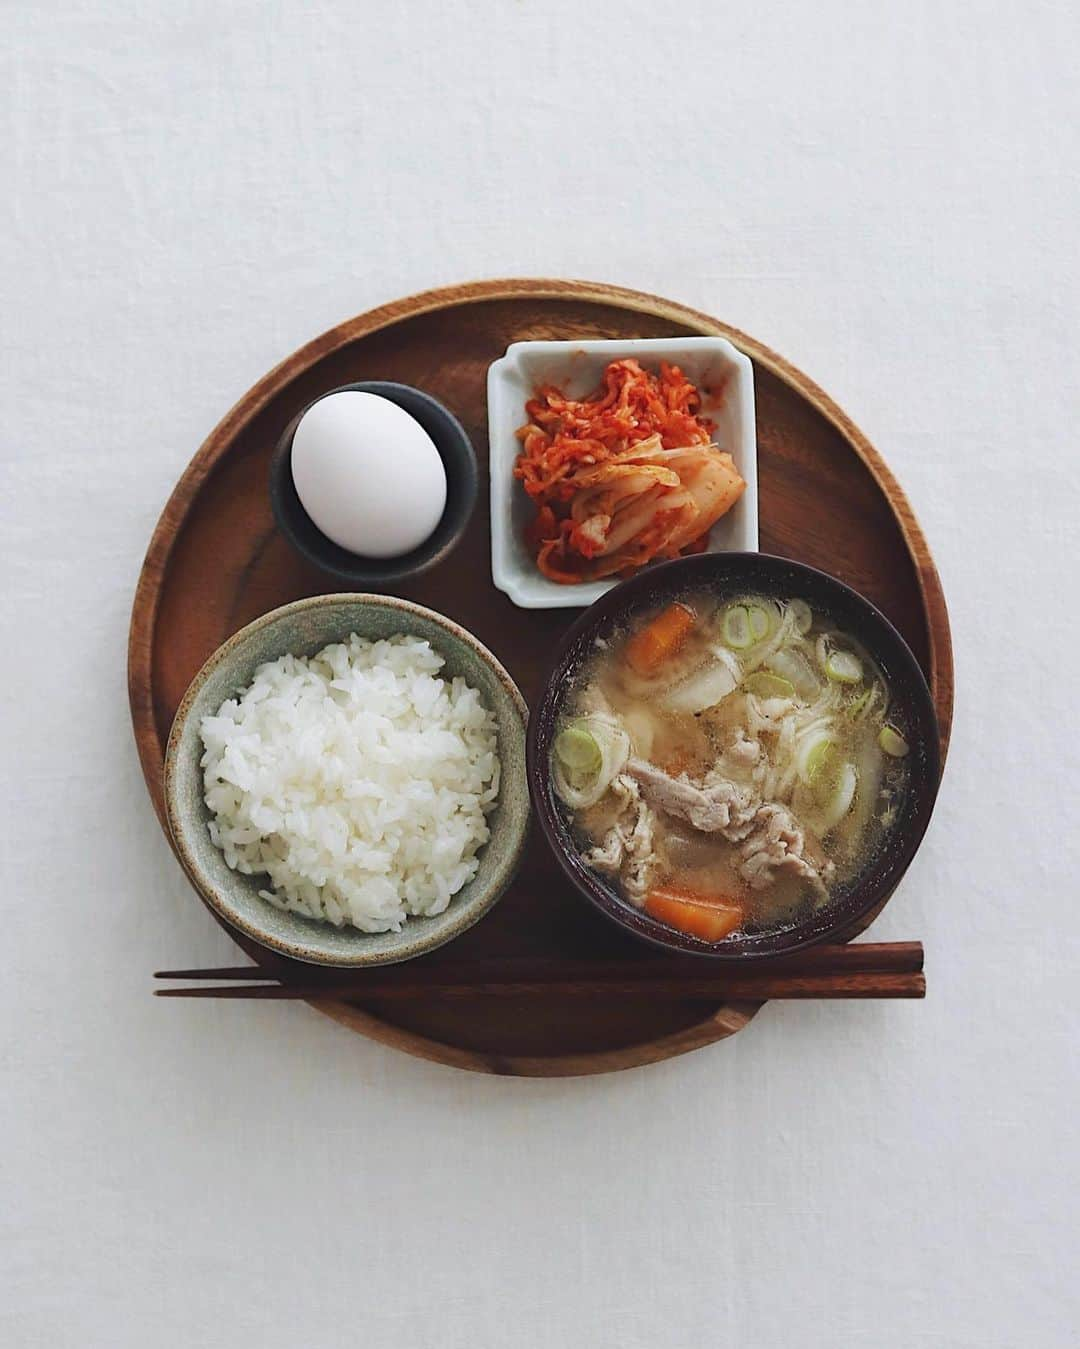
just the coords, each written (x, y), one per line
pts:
(723, 374)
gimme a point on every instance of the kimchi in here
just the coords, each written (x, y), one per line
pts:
(623, 477)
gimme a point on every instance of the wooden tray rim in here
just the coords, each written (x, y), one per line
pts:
(727, 1019)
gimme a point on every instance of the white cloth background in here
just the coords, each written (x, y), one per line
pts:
(888, 195)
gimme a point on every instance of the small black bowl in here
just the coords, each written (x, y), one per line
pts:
(462, 484)
(734, 574)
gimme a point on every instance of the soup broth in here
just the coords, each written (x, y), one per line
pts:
(729, 764)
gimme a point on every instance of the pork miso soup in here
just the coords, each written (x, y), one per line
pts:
(729, 764)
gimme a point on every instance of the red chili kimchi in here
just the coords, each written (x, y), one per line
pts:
(623, 477)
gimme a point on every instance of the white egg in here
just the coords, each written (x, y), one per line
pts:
(368, 474)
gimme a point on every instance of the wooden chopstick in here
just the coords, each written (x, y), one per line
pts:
(858, 970)
(689, 989)
(897, 957)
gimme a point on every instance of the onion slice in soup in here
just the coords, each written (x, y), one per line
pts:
(706, 687)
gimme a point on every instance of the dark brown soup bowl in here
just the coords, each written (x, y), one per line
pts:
(733, 574)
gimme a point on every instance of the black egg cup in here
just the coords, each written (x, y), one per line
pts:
(462, 486)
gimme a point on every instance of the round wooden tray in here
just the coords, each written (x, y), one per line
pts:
(216, 561)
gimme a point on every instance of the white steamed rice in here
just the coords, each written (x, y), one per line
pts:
(357, 780)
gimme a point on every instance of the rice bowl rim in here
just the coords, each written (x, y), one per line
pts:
(413, 941)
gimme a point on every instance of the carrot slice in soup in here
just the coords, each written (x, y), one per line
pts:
(698, 916)
(659, 639)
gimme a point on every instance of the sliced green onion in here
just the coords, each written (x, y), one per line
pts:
(822, 765)
(802, 616)
(892, 742)
(859, 705)
(835, 794)
(795, 668)
(843, 667)
(759, 621)
(583, 777)
(814, 754)
(860, 708)
(737, 631)
(764, 685)
(576, 746)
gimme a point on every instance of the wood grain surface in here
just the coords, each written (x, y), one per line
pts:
(216, 561)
